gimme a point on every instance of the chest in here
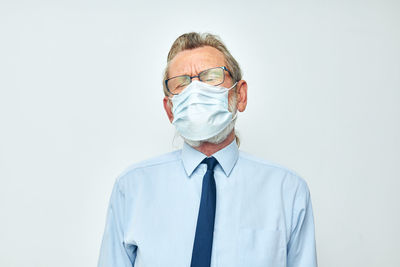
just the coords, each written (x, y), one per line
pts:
(250, 223)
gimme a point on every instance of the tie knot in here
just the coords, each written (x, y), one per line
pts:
(211, 163)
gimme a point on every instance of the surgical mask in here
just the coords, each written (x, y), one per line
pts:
(201, 110)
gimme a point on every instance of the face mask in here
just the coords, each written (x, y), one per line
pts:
(201, 111)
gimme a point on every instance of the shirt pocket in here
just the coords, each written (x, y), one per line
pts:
(261, 248)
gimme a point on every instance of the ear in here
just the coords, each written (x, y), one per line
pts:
(167, 106)
(241, 90)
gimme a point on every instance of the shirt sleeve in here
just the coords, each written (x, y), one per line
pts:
(114, 252)
(301, 249)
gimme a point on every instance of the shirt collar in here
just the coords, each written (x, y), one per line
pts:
(226, 157)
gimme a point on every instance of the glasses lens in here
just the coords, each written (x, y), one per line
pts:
(177, 84)
(213, 76)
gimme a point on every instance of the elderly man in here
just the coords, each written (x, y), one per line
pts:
(208, 204)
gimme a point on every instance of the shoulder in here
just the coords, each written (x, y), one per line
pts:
(284, 175)
(151, 164)
(289, 183)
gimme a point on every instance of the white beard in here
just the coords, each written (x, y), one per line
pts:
(232, 107)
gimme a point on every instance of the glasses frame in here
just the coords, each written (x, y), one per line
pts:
(197, 76)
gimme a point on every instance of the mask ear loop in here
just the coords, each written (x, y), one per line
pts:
(232, 86)
(236, 113)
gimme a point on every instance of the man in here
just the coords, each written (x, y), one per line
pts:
(208, 204)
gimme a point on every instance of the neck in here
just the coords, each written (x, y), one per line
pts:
(208, 148)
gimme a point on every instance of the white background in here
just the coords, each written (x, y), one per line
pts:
(81, 99)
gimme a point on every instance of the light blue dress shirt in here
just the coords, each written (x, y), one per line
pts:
(263, 218)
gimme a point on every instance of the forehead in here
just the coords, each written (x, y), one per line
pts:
(193, 61)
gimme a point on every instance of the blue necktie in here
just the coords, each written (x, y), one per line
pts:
(201, 256)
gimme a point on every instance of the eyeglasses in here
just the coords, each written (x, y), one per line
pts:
(213, 76)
